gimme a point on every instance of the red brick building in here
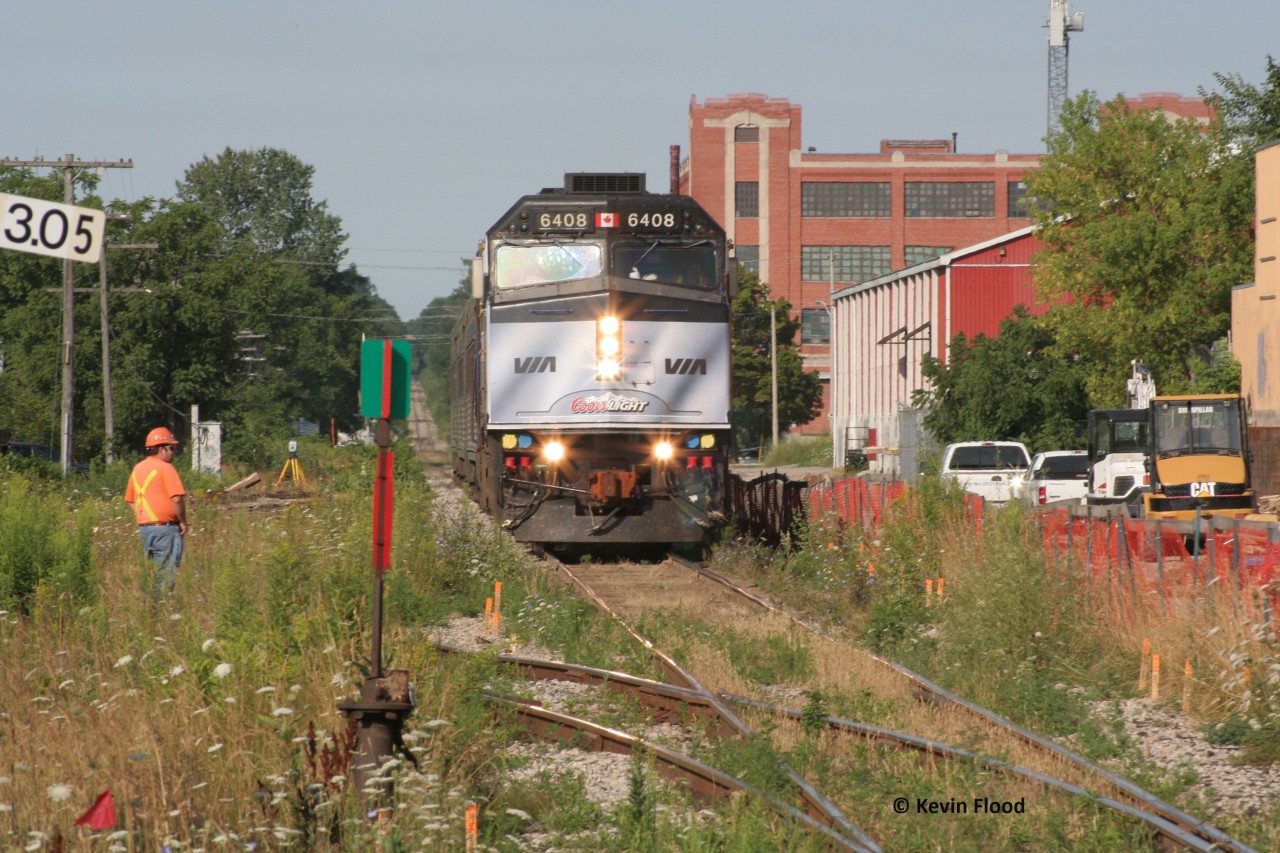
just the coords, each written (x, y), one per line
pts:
(813, 223)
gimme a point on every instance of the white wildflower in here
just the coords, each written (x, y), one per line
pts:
(262, 690)
(207, 644)
(222, 670)
(124, 661)
(59, 792)
(214, 748)
(282, 712)
(177, 670)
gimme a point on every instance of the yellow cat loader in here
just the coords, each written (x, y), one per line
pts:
(1198, 458)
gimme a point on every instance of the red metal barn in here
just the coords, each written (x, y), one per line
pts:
(881, 330)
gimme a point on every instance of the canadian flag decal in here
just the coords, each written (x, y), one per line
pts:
(606, 220)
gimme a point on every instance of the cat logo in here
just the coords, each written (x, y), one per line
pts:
(686, 366)
(536, 364)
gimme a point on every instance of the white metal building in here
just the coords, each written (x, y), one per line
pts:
(882, 329)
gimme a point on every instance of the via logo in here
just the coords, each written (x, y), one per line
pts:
(686, 366)
(536, 364)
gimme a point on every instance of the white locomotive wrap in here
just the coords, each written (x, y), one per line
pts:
(591, 368)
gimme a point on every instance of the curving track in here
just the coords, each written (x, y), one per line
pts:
(627, 590)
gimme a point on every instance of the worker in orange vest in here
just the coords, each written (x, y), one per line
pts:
(159, 504)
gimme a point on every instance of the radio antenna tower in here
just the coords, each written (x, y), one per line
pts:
(1060, 24)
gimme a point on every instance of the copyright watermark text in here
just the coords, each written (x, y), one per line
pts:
(976, 806)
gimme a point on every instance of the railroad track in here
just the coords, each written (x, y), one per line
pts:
(1026, 758)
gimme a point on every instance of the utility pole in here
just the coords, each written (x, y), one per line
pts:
(68, 165)
(773, 364)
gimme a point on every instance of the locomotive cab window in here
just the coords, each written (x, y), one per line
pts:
(517, 265)
(687, 265)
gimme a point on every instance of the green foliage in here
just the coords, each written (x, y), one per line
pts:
(432, 330)
(636, 818)
(1250, 114)
(807, 451)
(242, 309)
(813, 719)
(1146, 227)
(1016, 386)
(799, 391)
(769, 660)
(45, 551)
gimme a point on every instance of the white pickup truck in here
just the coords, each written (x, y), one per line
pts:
(986, 468)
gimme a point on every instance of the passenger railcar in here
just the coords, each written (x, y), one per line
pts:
(590, 370)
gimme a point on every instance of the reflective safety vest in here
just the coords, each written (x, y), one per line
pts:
(140, 496)
(153, 484)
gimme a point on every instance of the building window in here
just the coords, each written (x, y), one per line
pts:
(951, 199)
(852, 263)
(845, 199)
(749, 259)
(746, 133)
(746, 198)
(913, 255)
(1019, 205)
(815, 326)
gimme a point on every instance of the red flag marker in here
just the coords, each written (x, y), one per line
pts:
(101, 814)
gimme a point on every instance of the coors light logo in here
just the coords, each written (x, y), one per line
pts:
(606, 403)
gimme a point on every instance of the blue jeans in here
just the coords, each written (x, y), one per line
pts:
(163, 544)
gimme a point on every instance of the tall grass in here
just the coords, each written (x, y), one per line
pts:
(211, 715)
(1035, 635)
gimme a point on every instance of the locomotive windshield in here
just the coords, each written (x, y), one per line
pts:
(685, 264)
(1192, 426)
(516, 264)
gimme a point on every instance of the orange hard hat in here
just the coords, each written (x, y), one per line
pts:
(160, 436)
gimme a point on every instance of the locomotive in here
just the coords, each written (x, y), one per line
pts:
(590, 368)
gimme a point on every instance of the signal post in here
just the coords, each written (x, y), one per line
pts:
(385, 700)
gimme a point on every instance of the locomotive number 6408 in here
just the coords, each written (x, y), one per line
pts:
(651, 220)
(548, 221)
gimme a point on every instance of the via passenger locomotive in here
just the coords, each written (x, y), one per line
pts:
(590, 369)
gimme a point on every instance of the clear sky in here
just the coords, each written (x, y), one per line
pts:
(425, 120)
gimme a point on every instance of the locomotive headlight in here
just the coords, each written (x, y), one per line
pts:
(663, 450)
(608, 347)
(553, 450)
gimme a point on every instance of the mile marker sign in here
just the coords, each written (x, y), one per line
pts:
(50, 228)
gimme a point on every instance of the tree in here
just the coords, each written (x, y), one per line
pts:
(243, 309)
(263, 198)
(1146, 227)
(432, 333)
(799, 391)
(30, 323)
(1250, 115)
(1015, 386)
